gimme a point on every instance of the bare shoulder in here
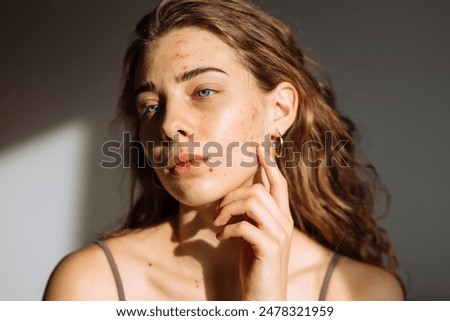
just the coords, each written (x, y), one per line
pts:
(86, 274)
(82, 275)
(353, 280)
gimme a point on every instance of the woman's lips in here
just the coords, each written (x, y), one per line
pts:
(186, 164)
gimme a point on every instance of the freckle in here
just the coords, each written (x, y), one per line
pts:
(150, 264)
(211, 169)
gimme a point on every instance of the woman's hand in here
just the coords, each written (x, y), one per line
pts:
(266, 227)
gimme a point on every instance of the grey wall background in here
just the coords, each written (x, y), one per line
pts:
(59, 83)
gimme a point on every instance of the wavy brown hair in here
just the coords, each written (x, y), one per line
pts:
(332, 202)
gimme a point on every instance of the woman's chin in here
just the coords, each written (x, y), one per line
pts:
(198, 197)
(201, 190)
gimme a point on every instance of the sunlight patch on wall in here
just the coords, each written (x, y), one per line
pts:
(41, 192)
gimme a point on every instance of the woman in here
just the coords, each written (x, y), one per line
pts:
(247, 181)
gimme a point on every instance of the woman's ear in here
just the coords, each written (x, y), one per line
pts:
(284, 99)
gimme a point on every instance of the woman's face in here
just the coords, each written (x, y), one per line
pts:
(192, 93)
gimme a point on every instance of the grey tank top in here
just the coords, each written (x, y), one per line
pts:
(121, 293)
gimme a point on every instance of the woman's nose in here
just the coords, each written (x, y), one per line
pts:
(177, 124)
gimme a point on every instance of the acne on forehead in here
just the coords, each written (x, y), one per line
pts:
(181, 55)
(180, 52)
(190, 39)
(180, 44)
(186, 48)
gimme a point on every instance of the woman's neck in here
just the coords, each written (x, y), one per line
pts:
(196, 234)
(200, 251)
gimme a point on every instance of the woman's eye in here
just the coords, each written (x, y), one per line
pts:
(150, 109)
(205, 93)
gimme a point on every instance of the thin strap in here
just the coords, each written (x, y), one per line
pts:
(326, 279)
(114, 269)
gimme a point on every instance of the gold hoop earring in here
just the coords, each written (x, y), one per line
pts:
(279, 141)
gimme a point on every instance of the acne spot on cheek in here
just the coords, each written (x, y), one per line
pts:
(245, 130)
(254, 113)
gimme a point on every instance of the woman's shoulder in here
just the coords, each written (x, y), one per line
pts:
(86, 274)
(349, 279)
(354, 280)
(82, 275)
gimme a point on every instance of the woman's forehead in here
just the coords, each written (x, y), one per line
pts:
(181, 44)
(186, 49)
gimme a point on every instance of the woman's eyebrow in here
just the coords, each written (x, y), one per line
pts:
(187, 75)
(149, 86)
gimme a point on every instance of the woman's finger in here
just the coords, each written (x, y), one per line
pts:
(256, 190)
(261, 242)
(251, 207)
(277, 183)
(243, 229)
